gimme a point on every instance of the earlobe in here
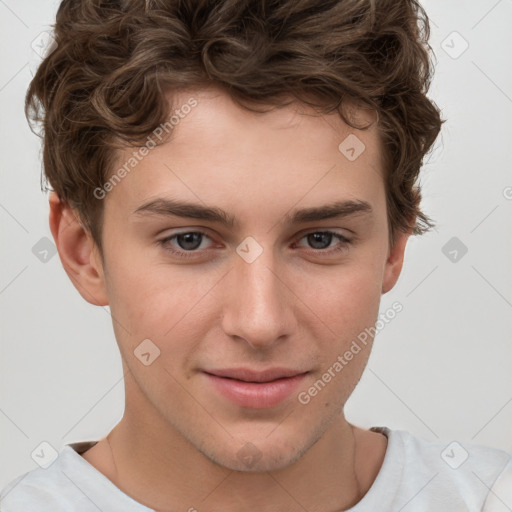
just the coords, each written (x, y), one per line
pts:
(394, 262)
(77, 252)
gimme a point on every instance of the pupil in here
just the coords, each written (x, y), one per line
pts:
(314, 238)
(191, 240)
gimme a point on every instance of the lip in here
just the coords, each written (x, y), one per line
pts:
(255, 389)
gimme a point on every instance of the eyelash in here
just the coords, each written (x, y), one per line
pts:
(345, 242)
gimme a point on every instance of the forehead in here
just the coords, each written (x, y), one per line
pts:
(219, 121)
(221, 152)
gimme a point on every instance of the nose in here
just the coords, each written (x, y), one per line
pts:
(259, 303)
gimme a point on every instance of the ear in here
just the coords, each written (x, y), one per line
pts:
(394, 262)
(78, 253)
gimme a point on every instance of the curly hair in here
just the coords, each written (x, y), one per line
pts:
(104, 83)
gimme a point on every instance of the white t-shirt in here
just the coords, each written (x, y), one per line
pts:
(416, 476)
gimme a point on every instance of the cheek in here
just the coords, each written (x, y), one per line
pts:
(345, 300)
(157, 301)
(347, 308)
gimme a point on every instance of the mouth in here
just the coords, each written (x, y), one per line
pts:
(255, 389)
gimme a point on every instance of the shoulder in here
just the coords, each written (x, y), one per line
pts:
(44, 489)
(500, 496)
(38, 490)
(459, 474)
(68, 484)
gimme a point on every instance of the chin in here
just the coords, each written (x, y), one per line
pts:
(250, 459)
(260, 452)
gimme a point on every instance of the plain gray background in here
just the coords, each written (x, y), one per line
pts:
(441, 369)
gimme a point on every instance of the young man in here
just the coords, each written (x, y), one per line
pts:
(236, 180)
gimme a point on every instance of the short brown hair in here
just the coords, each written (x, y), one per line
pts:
(105, 82)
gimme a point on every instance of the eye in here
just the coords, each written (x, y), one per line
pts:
(187, 243)
(321, 241)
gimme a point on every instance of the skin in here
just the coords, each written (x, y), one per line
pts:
(294, 306)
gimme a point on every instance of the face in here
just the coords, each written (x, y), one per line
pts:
(228, 311)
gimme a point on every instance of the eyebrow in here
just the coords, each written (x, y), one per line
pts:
(167, 207)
